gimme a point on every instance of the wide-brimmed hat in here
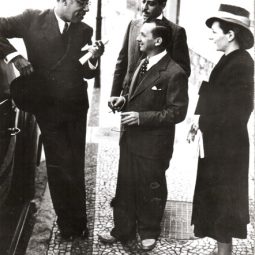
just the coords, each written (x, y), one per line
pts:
(236, 15)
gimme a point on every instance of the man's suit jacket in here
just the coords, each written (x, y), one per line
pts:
(129, 54)
(51, 57)
(161, 99)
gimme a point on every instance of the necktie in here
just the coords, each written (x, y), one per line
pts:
(65, 28)
(65, 33)
(143, 70)
(140, 75)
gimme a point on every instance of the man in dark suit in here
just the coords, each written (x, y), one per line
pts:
(151, 106)
(130, 54)
(53, 40)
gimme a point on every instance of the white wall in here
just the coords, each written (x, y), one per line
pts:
(170, 10)
(13, 7)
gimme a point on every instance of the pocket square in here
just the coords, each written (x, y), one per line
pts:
(155, 88)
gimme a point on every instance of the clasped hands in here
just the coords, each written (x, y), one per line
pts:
(127, 118)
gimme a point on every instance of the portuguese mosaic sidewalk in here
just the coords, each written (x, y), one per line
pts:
(101, 170)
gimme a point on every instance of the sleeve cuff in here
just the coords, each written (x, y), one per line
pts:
(91, 66)
(123, 102)
(11, 56)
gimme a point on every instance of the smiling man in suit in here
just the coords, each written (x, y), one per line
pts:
(130, 53)
(154, 100)
(53, 40)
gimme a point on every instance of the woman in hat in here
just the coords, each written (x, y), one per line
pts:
(220, 205)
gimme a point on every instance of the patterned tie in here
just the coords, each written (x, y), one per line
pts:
(143, 70)
(140, 75)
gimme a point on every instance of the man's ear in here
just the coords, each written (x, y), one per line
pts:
(158, 41)
(163, 4)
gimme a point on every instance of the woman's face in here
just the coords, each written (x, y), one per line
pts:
(218, 37)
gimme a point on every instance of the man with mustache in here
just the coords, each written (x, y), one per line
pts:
(155, 100)
(53, 40)
(130, 53)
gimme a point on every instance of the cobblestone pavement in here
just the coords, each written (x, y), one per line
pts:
(101, 171)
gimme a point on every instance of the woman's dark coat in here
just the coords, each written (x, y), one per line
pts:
(220, 207)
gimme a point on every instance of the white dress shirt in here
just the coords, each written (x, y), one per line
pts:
(155, 59)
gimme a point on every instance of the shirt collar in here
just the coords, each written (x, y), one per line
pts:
(160, 16)
(155, 59)
(61, 23)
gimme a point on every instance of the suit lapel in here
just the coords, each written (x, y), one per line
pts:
(50, 29)
(151, 77)
(134, 79)
(51, 34)
(134, 47)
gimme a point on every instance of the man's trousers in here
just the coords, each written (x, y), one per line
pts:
(64, 145)
(141, 195)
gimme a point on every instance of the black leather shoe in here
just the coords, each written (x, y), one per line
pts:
(66, 236)
(147, 244)
(71, 235)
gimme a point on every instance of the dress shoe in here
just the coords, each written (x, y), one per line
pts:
(66, 236)
(107, 238)
(147, 244)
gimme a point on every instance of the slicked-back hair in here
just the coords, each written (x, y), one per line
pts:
(162, 30)
(161, 1)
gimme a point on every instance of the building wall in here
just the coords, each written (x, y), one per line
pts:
(171, 10)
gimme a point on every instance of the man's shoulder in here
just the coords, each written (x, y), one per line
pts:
(173, 25)
(174, 66)
(36, 12)
(136, 22)
(84, 26)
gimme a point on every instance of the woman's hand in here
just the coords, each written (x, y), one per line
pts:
(193, 129)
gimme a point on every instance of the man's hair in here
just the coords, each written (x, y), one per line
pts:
(162, 30)
(162, 1)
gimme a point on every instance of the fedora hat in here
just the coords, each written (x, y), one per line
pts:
(238, 16)
(29, 93)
